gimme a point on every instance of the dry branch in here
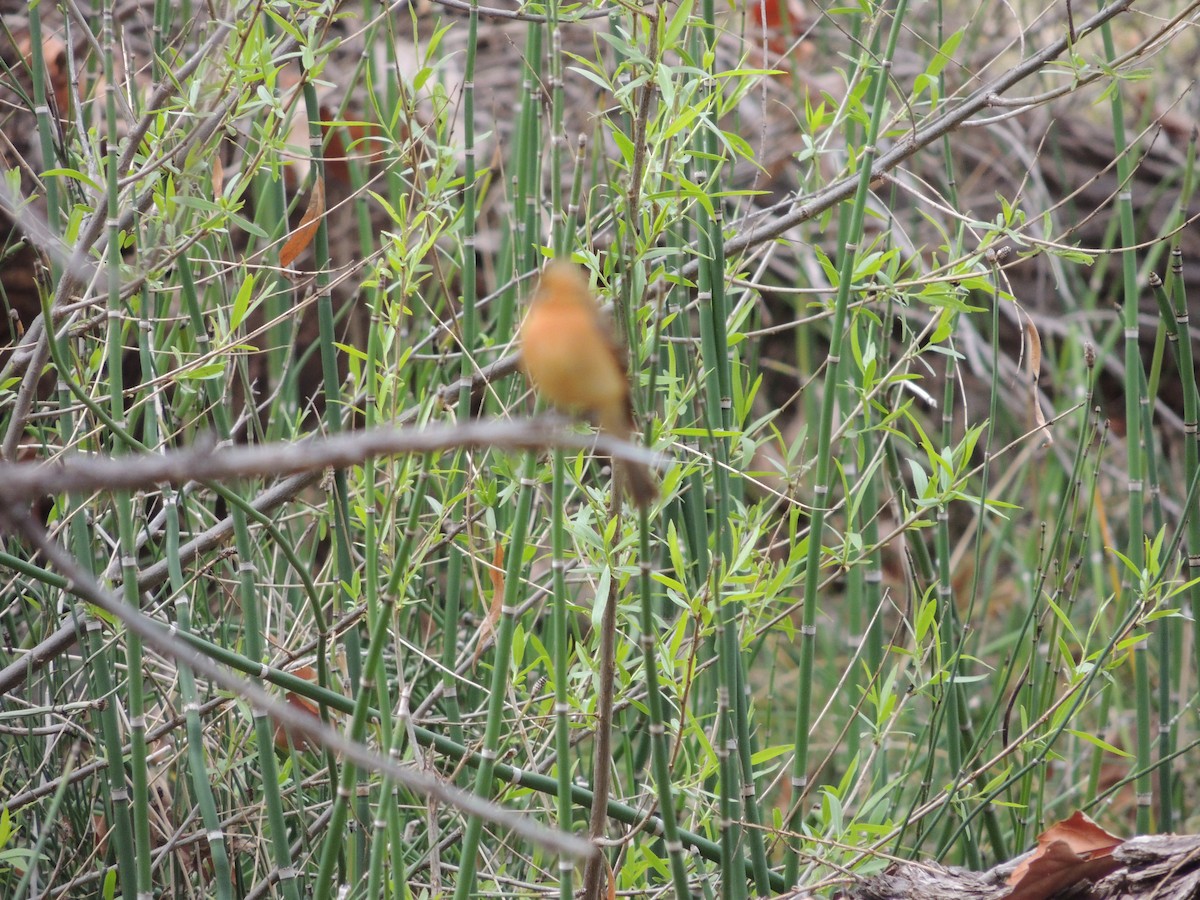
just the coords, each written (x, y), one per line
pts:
(23, 482)
(1164, 866)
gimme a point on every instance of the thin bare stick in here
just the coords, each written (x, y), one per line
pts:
(593, 875)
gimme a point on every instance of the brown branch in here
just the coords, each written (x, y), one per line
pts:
(23, 482)
(64, 637)
(594, 872)
(1166, 867)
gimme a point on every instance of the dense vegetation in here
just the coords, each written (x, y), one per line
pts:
(907, 337)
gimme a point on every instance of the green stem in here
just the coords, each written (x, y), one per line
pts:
(848, 256)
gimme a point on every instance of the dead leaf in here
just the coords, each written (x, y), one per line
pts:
(58, 78)
(100, 830)
(1035, 373)
(487, 628)
(1068, 852)
(299, 239)
(366, 145)
(769, 18)
(218, 177)
(303, 704)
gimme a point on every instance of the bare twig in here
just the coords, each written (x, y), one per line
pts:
(593, 876)
(23, 482)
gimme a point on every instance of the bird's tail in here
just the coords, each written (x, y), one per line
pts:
(634, 478)
(637, 481)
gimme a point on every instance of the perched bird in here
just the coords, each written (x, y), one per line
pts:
(571, 358)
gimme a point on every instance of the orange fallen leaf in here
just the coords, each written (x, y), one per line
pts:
(487, 628)
(1068, 852)
(299, 239)
(769, 18)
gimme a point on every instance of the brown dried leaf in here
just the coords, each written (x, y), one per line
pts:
(299, 239)
(100, 830)
(58, 77)
(1035, 373)
(487, 628)
(365, 146)
(1068, 852)
(54, 52)
(780, 22)
(218, 176)
(303, 704)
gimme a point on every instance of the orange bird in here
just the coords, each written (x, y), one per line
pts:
(569, 355)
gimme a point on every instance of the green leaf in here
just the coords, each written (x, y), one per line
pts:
(945, 53)
(601, 596)
(678, 22)
(1097, 742)
(920, 479)
(593, 77)
(241, 302)
(625, 145)
(351, 350)
(201, 373)
(926, 615)
(77, 175)
(769, 753)
(669, 582)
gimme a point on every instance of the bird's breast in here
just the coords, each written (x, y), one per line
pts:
(570, 360)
